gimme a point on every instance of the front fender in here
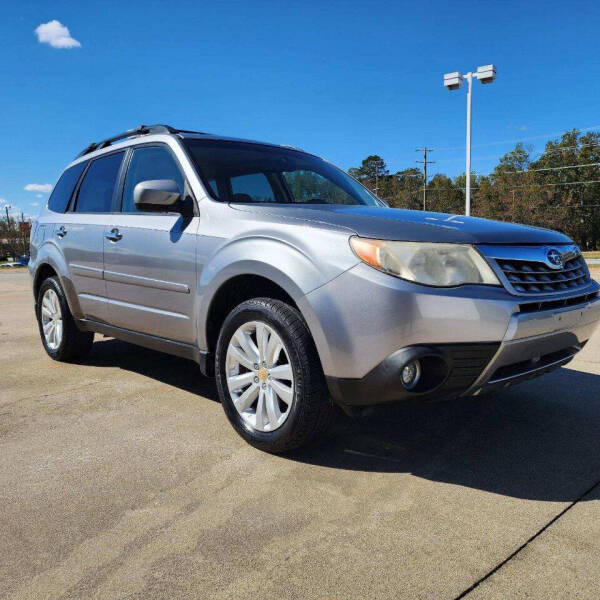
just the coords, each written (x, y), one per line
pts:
(288, 265)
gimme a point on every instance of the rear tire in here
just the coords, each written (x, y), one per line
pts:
(60, 336)
(294, 411)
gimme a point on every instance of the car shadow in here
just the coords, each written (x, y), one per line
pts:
(166, 368)
(539, 440)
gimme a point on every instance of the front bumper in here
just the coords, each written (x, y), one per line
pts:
(368, 325)
(536, 343)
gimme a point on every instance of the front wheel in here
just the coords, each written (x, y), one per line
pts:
(269, 377)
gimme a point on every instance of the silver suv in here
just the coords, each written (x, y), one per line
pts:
(293, 284)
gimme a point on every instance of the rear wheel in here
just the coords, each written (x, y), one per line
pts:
(60, 336)
(269, 376)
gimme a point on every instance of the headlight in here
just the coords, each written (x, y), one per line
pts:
(440, 265)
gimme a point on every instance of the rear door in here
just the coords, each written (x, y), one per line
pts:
(80, 233)
(150, 258)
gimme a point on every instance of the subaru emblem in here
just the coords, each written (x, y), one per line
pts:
(555, 258)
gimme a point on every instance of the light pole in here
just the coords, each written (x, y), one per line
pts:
(453, 81)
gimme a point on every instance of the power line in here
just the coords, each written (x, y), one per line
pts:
(560, 149)
(555, 168)
(515, 187)
(533, 158)
(425, 162)
(517, 140)
(555, 184)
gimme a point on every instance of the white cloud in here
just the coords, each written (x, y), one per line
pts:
(45, 188)
(2, 201)
(39, 195)
(34, 204)
(56, 35)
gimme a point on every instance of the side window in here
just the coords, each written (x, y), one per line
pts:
(311, 187)
(64, 188)
(213, 186)
(153, 162)
(96, 191)
(252, 188)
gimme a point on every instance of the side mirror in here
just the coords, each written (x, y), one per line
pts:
(156, 195)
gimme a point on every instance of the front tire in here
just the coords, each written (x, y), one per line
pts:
(269, 376)
(60, 336)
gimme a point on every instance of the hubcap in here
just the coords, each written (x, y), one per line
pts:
(52, 323)
(259, 376)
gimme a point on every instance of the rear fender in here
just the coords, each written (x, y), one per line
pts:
(49, 254)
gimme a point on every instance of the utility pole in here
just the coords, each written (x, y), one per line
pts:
(425, 162)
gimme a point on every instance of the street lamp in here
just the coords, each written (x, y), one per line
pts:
(453, 81)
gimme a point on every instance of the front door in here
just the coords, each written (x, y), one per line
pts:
(150, 258)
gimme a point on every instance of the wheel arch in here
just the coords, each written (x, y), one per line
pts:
(48, 266)
(236, 284)
(42, 273)
(240, 283)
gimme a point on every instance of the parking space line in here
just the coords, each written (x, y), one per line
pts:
(527, 542)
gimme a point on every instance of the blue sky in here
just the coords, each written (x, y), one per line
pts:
(341, 79)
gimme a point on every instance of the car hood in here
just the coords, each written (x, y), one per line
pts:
(410, 225)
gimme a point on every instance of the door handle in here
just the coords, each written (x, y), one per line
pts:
(61, 231)
(113, 235)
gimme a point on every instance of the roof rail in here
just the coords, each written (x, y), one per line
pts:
(140, 130)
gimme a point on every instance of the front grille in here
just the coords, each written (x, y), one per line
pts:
(562, 303)
(532, 277)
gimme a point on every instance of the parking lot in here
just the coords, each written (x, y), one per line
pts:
(121, 478)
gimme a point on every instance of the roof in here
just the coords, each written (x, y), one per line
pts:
(142, 130)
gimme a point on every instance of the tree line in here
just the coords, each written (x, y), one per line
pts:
(559, 189)
(14, 238)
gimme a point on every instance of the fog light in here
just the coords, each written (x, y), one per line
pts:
(411, 373)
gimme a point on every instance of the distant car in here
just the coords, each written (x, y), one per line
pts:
(23, 261)
(293, 283)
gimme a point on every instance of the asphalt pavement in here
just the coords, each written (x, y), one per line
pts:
(120, 477)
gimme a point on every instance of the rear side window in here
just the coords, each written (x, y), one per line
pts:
(61, 194)
(96, 191)
(152, 162)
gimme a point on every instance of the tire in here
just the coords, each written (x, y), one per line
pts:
(310, 410)
(70, 344)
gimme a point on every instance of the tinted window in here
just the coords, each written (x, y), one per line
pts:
(96, 191)
(146, 164)
(248, 172)
(64, 188)
(252, 188)
(310, 187)
(213, 186)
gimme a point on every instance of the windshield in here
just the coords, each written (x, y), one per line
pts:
(247, 172)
